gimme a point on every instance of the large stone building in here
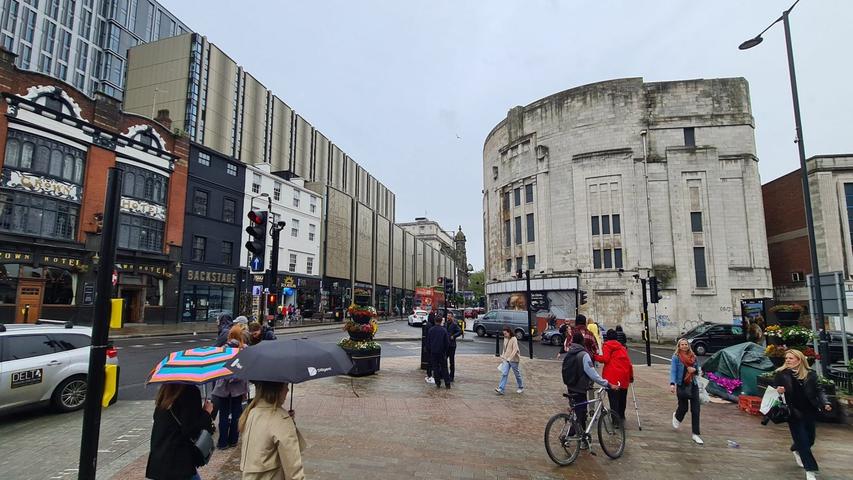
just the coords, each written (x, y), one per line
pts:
(84, 42)
(613, 181)
(831, 187)
(219, 105)
(57, 147)
(450, 244)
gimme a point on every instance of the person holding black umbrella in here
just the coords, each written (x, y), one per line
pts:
(438, 343)
(272, 446)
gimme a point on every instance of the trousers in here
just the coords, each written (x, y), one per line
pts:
(439, 368)
(681, 411)
(802, 427)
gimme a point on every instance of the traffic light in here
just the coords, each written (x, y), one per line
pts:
(272, 300)
(654, 290)
(448, 286)
(582, 294)
(257, 243)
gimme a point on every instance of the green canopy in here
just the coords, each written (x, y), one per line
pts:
(744, 361)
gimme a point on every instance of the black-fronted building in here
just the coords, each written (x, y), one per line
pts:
(211, 275)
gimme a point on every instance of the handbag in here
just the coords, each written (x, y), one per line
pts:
(780, 412)
(203, 445)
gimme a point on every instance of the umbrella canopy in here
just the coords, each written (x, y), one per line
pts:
(290, 361)
(194, 366)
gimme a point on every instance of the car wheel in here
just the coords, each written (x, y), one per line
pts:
(481, 332)
(519, 334)
(699, 348)
(70, 395)
(557, 340)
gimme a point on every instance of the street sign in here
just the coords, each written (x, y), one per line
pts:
(257, 290)
(257, 264)
(832, 294)
(89, 294)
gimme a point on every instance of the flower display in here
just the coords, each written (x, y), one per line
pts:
(775, 351)
(797, 335)
(790, 307)
(361, 311)
(773, 331)
(368, 328)
(729, 384)
(358, 345)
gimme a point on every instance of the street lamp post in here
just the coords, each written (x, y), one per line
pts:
(817, 315)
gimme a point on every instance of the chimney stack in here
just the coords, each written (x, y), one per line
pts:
(163, 118)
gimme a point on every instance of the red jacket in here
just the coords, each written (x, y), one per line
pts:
(617, 364)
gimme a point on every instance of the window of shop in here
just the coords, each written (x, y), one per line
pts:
(203, 303)
(139, 233)
(312, 230)
(229, 210)
(204, 159)
(309, 266)
(296, 198)
(8, 284)
(200, 200)
(276, 191)
(292, 266)
(199, 246)
(57, 287)
(227, 252)
(28, 152)
(313, 204)
(152, 291)
(38, 216)
(294, 227)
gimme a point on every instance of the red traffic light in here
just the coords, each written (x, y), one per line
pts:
(271, 299)
(258, 218)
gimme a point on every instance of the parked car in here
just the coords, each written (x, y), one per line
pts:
(715, 337)
(552, 336)
(213, 314)
(697, 329)
(493, 322)
(418, 318)
(45, 363)
(481, 311)
(836, 348)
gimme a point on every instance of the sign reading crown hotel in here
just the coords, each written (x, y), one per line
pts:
(42, 185)
(139, 207)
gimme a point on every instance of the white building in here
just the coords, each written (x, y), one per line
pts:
(299, 243)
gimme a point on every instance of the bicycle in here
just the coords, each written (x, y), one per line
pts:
(565, 437)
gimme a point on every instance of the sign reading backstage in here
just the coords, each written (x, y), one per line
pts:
(211, 277)
(139, 207)
(36, 184)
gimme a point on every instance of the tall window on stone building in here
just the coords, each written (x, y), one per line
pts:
(528, 193)
(256, 183)
(508, 265)
(696, 222)
(518, 230)
(531, 235)
(292, 265)
(506, 201)
(518, 264)
(507, 234)
(689, 137)
(606, 225)
(517, 196)
(699, 265)
(531, 262)
(695, 199)
(848, 193)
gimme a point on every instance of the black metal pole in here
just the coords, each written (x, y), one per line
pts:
(529, 315)
(100, 331)
(801, 148)
(275, 232)
(646, 324)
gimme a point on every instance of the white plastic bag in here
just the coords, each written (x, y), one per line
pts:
(703, 393)
(771, 396)
(503, 367)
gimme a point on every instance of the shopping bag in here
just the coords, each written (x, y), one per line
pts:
(768, 400)
(703, 393)
(504, 367)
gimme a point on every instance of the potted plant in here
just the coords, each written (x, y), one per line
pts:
(776, 354)
(809, 353)
(773, 334)
(787, 313)
(797, 335)
(360, 346)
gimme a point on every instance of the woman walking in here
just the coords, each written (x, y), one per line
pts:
(228, 396)
(805, 398)
(620, 336)
(272, 446)
(179, 417)
(512, 356)
(617, 370)
(682, 381)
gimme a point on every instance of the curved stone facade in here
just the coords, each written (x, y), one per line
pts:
(570, 179)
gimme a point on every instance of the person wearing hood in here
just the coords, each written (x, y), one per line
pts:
(621, 337)
(578, 374)
(617, 370)
(225, 325)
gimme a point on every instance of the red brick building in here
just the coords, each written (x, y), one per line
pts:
(57, 146)
(787, 236)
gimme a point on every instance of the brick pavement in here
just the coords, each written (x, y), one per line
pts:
(398, 427)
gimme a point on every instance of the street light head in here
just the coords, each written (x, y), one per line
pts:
(751, 43)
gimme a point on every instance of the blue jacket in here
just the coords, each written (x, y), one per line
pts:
(676, 371)
(438, 340)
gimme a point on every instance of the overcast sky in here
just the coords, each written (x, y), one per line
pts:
(410, 89)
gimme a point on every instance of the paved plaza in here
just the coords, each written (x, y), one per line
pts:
(394, 426)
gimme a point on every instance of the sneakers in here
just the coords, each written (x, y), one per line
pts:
(429, 380)
(499, 391)
(698, 439)
(811, 475)
(798, 459)
(675, 422)
(520, 390)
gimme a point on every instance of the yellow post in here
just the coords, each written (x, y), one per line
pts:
(115, 313)
(110, 384)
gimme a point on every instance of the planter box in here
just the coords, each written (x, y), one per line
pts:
(358, 336)
(364, 363)
(788, 318)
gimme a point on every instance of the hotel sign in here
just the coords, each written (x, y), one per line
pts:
(140, 268)
(41, 185)
(139, 207)
(207, 276)
(30, 259)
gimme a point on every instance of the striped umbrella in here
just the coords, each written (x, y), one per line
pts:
(195, 366)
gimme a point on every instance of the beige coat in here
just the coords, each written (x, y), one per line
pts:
(272, 446)
(511, 352)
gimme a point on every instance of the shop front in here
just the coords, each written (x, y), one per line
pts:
(302, 292)
(207, 293)
(339, 296)
(397, 301)
(40, 284)
(383, 300)
(142, 286)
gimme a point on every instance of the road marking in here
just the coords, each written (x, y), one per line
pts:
(136, 346)
(157, 344)
(656, 356)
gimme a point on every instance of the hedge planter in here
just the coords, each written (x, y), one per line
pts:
(788, 318)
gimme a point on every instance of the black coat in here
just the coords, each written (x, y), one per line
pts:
(454, 331)
(794, 390)
(438, 340)
(622, 338)
(171, 456)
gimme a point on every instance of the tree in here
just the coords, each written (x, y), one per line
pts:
(477, 283)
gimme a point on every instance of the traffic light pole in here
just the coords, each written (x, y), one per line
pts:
(529, 315)
(88, 464)
(646, 324)
(275, 233)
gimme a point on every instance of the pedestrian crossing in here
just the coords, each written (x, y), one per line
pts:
(202, 341)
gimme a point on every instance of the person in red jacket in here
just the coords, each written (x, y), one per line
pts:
(617, 370)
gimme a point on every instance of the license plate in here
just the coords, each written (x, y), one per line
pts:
(27, 377)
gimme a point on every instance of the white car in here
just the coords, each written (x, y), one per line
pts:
(418, 318)
(45, 363)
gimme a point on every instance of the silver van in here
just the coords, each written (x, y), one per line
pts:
(493, 322)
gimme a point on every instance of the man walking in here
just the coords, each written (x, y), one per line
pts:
(455, 332)
(578, 372)
(438, 341)
(589, 342)
(426, 328)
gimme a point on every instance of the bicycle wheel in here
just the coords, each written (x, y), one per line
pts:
(562, 439)
(611, 434)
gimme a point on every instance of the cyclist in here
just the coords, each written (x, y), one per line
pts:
(578, 374)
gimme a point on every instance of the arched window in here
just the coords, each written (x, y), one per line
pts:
(127, 188)
(42, 161)
(68, 167)
(13, 151)
(149, 189)
(27, 155)
(55, 163)
(57, 287)
(78, 170)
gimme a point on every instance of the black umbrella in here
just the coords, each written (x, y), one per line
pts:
(290, 361)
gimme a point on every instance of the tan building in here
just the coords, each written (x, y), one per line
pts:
(445, 243)
(216, 103)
